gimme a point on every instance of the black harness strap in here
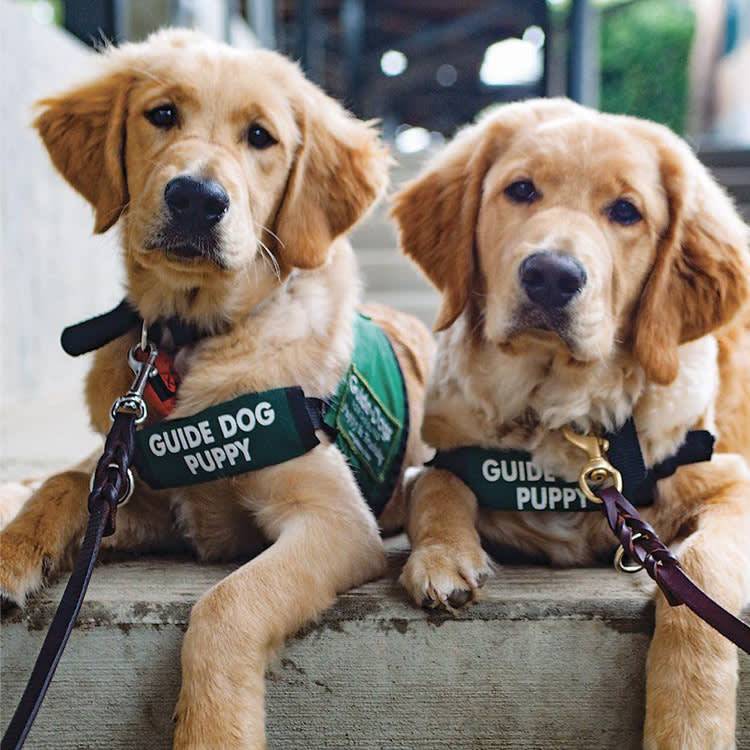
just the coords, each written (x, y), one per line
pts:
(94, 333)
(317, 409)
(625, 453)
(638, 482)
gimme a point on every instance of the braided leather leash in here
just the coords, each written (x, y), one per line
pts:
(111, 486)
(642, 545)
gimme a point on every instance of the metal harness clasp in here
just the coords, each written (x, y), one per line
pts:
(132, 401)
(597, 470)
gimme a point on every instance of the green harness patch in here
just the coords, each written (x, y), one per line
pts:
(247, 433)
(509, 480)
(368, 415)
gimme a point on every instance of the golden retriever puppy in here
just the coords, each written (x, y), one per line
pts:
(232, 180)
(591, 271)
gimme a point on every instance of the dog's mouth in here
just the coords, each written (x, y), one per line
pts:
(543, 325)
(187, 250)
(532, 317)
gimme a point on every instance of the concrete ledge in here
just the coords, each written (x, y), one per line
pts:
(550, 659)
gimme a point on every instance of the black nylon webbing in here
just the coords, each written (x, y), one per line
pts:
(638, 482)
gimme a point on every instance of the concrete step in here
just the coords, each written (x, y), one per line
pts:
(374, 233)
(721, 156)
(422, 305)
(549, 659)
(387, 270)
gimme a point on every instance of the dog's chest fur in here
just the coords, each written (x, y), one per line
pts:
(519, 399)
(301, 335)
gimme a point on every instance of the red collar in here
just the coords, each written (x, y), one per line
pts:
(160, 393)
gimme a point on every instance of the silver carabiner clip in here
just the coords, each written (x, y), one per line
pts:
(133, 400)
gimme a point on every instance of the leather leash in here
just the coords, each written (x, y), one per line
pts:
(644, 548)
(111, 486)
(641, 544)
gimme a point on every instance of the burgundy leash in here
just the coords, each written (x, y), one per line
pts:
(111, 486)
(642, 545)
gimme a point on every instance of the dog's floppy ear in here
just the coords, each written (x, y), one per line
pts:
(699, 280)
(84, 132)
(437, 212)
(339, 170)
(437, 215)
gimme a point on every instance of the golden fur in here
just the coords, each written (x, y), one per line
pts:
(658, 331)
(290, 204)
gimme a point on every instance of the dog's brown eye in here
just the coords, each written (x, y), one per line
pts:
(624, 212)
(259, 137)
(163, 116)
(522, 191)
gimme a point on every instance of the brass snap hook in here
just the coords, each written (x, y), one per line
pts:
(597, 470)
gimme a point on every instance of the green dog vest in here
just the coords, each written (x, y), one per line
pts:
(509, 480)
(368, 415)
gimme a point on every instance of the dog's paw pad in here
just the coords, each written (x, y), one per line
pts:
(439, 576)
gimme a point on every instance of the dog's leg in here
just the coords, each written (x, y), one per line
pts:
(326, 541)
(46, 533)
(692, 670)
(447, 565)
(43, 535)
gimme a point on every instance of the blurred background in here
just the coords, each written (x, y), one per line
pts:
(426, 66)
(423, 67)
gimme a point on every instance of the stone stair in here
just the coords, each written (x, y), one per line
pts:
(549, 659)
(731, 167)
(389, 276)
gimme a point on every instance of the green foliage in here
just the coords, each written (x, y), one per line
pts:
(645, 48)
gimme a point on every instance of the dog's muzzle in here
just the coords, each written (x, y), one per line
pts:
(549, 282)
(195, 208)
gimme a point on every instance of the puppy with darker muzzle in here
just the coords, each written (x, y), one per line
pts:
(594, 278)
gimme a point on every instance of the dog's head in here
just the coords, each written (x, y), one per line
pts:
(211, 157)
(555, 225)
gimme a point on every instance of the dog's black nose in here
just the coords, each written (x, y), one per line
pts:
(551, 280)
(196, 205)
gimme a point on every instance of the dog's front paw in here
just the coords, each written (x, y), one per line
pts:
(440, 575)
(23, 568)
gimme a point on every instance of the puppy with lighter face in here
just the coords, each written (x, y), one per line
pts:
(232, 180)
(591, 271)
